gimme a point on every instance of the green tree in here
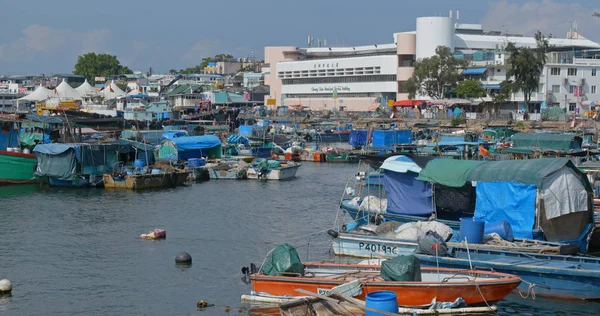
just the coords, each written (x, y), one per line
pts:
(434, 75)
(93, 65)
(200, 68)
(504, 94)
(470, 89)
(526, 65)
(172, 71)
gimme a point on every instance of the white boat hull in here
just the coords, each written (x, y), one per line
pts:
(281, 173)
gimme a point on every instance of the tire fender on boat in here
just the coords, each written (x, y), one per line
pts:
(333, 233)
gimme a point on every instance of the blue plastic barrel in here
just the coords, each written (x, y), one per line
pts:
(472, 229)
(194, 163)
(139, 163)
(382, 301)
(502, 228)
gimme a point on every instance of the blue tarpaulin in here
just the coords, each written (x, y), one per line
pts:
(246, 130)
(407, 195)
(358, 138)
(196, 142)
(183, 148)
(511, 201)
(391, 138)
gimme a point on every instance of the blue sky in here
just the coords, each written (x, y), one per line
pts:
(46, 36)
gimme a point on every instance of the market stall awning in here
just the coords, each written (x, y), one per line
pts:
(410, 103)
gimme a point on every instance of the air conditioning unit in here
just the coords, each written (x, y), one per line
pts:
(549, 92)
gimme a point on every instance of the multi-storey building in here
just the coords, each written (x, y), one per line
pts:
(356, 78)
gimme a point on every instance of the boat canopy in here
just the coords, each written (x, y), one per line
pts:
(549, 193)
(526, 143)
(389, 138)
(67, 161)
(183, 148)
(406, 195)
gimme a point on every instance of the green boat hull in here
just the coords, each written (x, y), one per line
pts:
(17, 168)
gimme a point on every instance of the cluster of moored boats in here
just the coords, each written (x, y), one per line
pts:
(446, 236)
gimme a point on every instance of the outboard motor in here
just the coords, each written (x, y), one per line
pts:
(247, 271)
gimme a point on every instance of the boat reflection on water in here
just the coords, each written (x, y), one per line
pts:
(18, 190)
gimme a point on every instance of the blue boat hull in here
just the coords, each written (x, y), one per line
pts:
(551, 278)
(78, 182)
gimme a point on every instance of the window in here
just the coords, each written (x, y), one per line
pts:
(572, 72)
(347, 79)
(593, 72)
(555, 71)
(593, 89)
(571, 89)
(555, 88)
(498, 70)
(572, 107)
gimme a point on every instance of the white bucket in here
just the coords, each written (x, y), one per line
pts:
(26, 151)
(10, 149)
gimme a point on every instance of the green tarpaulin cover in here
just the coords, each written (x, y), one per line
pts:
(448, 172)
(283, 259)
(30, 138)
(456, 173)
(546, 142)
(401, 268)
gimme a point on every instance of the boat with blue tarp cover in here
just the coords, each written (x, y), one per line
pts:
(83, 164)
(186, 147)
(548, 199)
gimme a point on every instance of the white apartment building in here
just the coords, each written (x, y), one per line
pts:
(359, 78)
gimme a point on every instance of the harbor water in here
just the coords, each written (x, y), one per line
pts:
(78, 251)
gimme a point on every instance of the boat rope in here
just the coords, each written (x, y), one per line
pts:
(530, 290)
(337, 215)
(483, 298)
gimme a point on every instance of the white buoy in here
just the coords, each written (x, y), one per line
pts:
(5, 286)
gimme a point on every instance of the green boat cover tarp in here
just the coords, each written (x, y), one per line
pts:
(456, 173)
(546, 142)
(401, 269)
(528, 171)
(448, 172)
(283, 259)
(29, 139)
(61, 165)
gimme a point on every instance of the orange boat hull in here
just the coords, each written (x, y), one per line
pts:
(409, 294)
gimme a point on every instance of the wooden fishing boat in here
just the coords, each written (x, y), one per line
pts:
(227, 170)
(369, 246)
(477, 288)
(145, 181)
(17, 168)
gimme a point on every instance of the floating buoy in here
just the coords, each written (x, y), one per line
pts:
(5, 286)
(155, 234)
(204, 304)
(183, 258)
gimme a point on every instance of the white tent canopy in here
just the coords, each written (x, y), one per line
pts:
(86, 88)
(112, 91)
(40, 94)
(64, 90)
